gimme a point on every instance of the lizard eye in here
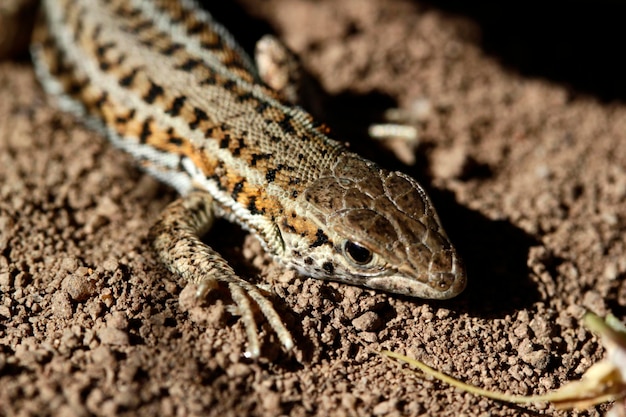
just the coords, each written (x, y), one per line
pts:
(357, 253)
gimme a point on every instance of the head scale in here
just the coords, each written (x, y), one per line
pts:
(380, 231)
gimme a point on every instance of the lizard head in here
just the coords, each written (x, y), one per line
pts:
(377, 229)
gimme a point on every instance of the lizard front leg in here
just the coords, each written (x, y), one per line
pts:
(176, 239)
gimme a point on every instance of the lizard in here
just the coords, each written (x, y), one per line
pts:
(169, 85)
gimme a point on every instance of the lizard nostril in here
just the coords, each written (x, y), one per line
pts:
(442, 281)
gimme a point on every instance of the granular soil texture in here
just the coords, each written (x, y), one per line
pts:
(521, 122)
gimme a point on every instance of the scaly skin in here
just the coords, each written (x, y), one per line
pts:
(169, 85)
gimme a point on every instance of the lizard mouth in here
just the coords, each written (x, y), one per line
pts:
(432, 284)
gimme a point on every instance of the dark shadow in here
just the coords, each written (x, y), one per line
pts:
(244, 28)
(495, 254)
(576, 43)
(613, 304)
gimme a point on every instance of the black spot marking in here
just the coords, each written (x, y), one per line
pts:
(224, 143)
(133, 13)
(216, 178)
(209, 79)
(261, 106)
(101, 100)
(176, 141)
(189, 64)
(171, 49)
(177, 105)
(321, 238)
(200, 117)
(252, 208)
(240, 146)
(128, 80)
(237, 189)
(294, 181)
(102, 49)
(154, 92)
(145, 131)
(121, 120)
(209, 132)
(328, 267)
(229, 85)
(244, 97)
(300, 157)
(196, 28)
(216, 44)
(76, 87)
(104, 66)
(308, 260)
(270, 176)
(149, 43)
(294, 194)
(286, 125)
(145, 25)
(275, 139)
(259, 156)
(200, 114)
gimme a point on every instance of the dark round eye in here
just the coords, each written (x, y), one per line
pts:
(357, 253)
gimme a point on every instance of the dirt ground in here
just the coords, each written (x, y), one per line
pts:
(521, 120)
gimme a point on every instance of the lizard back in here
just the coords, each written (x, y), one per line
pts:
(168, 84)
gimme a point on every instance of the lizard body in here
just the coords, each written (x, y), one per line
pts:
(169, 85)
